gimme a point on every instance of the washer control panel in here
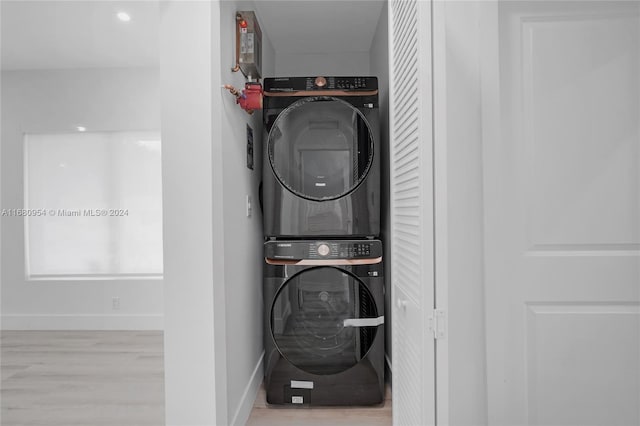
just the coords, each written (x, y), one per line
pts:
(323, 249)
(292, 84)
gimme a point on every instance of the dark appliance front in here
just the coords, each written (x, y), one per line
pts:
(321, 174)
(324, 315)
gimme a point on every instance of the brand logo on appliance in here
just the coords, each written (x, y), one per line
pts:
(284, 245)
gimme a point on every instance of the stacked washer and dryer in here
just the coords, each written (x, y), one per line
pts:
(323, 272)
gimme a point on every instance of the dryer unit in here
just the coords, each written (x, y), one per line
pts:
(324, 315)
(321, 174)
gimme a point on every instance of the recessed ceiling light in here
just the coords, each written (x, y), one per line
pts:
(81, 129)
(124, 16)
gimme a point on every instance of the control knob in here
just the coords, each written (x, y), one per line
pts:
(320, 82)
(323, 250)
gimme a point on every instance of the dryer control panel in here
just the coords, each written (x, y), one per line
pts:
(323, 249)
(320, 83)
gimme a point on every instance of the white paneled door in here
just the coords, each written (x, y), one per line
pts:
(412, 273)
(562, 212)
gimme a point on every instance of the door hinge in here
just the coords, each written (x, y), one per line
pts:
(438, 324)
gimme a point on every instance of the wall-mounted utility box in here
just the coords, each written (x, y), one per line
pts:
(248, 45)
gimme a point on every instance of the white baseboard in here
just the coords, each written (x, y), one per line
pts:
(82, 322)
(249, 395)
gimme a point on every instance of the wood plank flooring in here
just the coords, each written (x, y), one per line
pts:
(69, 378)
(116, 378)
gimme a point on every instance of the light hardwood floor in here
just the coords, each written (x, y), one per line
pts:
(83, 378)
(115, 378)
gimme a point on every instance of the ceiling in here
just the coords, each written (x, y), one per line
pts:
(78, 34)
(87, 34)
(319, 26)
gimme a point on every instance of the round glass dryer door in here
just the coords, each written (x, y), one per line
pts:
(308, 320)
(320, 148)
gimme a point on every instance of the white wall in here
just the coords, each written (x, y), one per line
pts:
(243, 237)
(379, 59)
(213, 251)
(194, 349)
(459, 212)
(344, 64)
(57, 101)
(213, 259)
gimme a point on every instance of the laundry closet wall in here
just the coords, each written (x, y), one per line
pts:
(213, 251)
(243, 254)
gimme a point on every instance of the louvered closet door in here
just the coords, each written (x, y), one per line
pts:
(411, 212)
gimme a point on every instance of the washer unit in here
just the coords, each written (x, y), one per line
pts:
(321, 174)
(324, 315)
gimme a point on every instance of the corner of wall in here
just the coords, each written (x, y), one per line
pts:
(464, 211)
(194, 343)
(242, 241)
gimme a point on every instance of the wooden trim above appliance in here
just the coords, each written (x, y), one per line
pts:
(322, 93)
(323, 262)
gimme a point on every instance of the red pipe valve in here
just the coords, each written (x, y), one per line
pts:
(250, 99)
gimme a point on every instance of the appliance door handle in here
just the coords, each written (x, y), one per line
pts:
(364, 322)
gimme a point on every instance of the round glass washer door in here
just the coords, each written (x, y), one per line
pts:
(308, 315)
(320, 148)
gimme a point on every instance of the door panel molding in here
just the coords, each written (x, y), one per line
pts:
(562, 272)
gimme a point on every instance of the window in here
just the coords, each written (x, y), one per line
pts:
(93, 204)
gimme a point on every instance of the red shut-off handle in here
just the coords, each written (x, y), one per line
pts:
(250, 99)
